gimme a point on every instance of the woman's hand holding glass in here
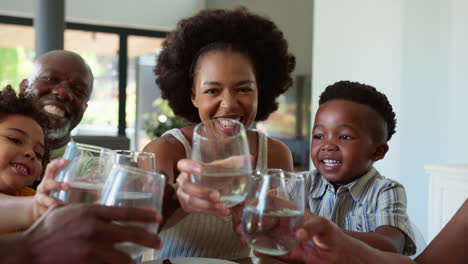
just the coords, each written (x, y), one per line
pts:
(195, 198)
(221, 148)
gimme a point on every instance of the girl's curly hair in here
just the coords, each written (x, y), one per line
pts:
(217, 29)
(24, 104)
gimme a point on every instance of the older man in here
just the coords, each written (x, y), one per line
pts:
(63, 82)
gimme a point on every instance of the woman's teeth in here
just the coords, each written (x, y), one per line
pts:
(227, 122)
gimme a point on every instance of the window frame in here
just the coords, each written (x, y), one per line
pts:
(123, 33)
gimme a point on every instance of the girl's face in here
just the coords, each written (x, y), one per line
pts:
(225, 87)
(21, 151)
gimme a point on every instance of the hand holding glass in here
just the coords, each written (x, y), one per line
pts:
(134, 187)
(273, 212)
(221, 146)
(86, 172)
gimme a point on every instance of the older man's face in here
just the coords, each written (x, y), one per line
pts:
(63, 86)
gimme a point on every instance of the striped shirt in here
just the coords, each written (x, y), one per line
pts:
(362, 205)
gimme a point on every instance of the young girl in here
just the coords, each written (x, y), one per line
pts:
(219, 64)
(23, 156)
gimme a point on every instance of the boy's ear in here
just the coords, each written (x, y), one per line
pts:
(23, 85)
(380, 151)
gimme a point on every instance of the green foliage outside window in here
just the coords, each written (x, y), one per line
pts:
(161, 120)
(14, 66)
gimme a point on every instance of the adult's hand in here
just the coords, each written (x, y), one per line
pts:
(319, 241)
(84, 233)
(322, 242)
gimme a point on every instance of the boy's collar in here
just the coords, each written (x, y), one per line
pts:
(356, 187)
(320, 185)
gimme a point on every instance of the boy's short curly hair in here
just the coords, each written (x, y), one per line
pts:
(24, 104)
(362, 94)
(217, 29)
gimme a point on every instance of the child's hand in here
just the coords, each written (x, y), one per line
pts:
(42, 200)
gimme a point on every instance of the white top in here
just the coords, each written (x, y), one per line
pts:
(200, 235)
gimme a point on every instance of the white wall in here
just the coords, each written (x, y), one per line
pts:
(415, 52)
(294, 18)
(360, 40)
(161, 14)
(458, 82)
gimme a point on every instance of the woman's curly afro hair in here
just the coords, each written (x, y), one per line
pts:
(250, 34)
(26, 105)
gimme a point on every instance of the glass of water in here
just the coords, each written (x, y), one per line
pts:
(86, 172)
(134, 187)
(137, 159)
(274, 211)
(221, 146)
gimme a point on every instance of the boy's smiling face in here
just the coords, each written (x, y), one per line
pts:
(345, 140)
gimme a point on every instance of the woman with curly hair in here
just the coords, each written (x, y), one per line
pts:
(218, 64)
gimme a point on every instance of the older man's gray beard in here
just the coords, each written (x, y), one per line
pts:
(58, 133)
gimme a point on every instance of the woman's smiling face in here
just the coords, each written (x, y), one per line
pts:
(225, 87)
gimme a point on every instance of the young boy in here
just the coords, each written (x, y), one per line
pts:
(352, 126)
(23, 156)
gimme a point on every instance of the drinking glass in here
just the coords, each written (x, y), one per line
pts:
(134, 187)
(273, 211)
(221, 146)
(137, 159)
(86, 172)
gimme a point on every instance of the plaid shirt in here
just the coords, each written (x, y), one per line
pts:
(362, 205)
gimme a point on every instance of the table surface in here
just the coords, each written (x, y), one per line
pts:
(249, 260)
(257, 260)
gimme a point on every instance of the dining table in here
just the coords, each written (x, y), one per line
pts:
(258, 260)
(248, 260)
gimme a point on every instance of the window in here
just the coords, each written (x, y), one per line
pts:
(141, 88)
(291, 122)
(100, 50)
(117, 57)
(16, 53)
